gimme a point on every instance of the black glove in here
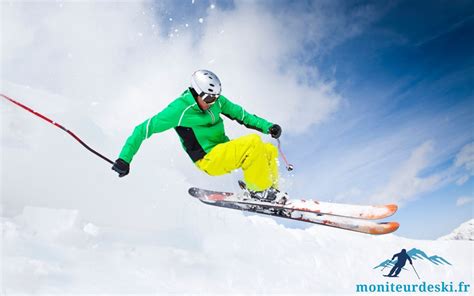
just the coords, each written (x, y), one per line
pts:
(121, 167)
(275, 131)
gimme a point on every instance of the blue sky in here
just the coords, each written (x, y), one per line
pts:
(409, 71)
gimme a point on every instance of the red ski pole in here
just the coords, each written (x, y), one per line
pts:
(58, 125)
(289, 166)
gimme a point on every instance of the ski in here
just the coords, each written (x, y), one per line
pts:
(345, 223)
(301, 205)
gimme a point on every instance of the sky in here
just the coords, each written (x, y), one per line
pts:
(376, 102)
(407, 115)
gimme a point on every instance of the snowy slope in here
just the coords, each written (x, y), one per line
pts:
(57, 251)
(464, 232)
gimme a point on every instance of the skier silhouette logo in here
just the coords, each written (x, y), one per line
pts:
(402, 258)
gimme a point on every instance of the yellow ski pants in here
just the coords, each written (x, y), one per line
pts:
(257, 159)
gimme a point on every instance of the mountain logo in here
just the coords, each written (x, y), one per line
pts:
(415, 254)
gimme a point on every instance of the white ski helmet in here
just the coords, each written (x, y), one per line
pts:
(206, 84)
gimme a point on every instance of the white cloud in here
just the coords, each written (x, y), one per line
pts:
(460, 181)
(328, 23)
(411, 180)
(406, 183)
(258, 74)
(464, 200)
(465, 158)
(92, 50)
(464, 164)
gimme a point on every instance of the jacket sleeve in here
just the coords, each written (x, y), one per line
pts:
(237, 113)
(166, 119)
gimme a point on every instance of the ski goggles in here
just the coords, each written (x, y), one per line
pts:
(209, 98)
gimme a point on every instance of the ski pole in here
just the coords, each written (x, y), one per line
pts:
(289, 166)
(59, 126)
(415, 271)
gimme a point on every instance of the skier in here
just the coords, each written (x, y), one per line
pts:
(195, 115)
(402, 259)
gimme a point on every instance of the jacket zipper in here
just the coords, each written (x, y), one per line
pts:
(212, 116)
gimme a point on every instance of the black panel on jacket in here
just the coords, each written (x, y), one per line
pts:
(190, 142)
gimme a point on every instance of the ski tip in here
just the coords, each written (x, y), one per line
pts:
(386, 227)
(388, 210)
(392, 208)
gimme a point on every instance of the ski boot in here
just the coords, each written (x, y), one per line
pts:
(271, 195)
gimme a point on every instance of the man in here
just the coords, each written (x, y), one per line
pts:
(195, 116)
(402, 258)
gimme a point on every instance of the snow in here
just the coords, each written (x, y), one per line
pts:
(464, 232)
(91, 229)
(57, 251)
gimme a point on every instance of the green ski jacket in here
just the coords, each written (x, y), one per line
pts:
(199, 130)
